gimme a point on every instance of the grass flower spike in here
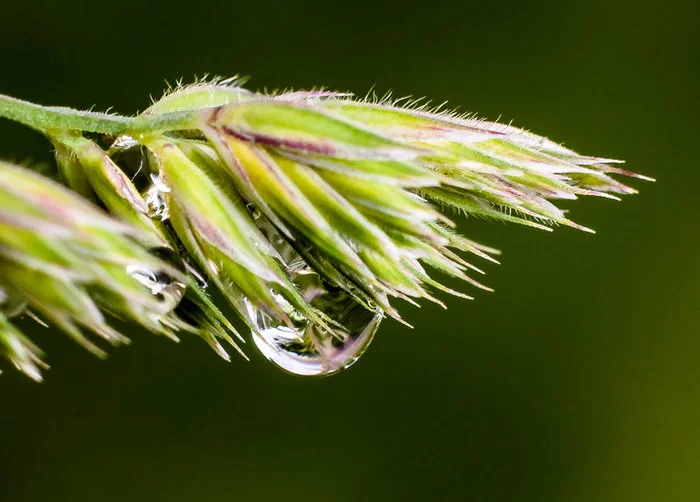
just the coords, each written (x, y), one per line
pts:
(311, 213)
(64, 259)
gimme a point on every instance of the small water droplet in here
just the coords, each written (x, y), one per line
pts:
(253, 210)
(213, 267)
(161, 285)
(155, 197)
(124, 142)
(132, 159)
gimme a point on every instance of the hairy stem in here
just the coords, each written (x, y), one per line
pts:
(49, 118)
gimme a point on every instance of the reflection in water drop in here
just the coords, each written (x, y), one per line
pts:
(254, 211)
(133, 159)
(305, 348)
(155, 198)
(124, 142)
(168, 291)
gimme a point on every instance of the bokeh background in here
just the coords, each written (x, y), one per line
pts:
(577, 380)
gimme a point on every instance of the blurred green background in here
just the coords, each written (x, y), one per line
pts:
(577, 380)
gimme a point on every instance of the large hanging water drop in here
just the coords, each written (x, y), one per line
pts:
(304, 348)
(310, 350)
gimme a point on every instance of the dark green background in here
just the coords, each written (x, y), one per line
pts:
(577, 380)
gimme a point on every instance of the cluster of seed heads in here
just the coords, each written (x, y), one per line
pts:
(309, 213)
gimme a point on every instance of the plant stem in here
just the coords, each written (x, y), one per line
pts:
(50, 118)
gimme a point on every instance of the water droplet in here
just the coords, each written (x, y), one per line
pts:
(165, 288)
(253, 210)
(304, 348)
(155, 197)
(310, 350)
(124, 142)
(132, 158)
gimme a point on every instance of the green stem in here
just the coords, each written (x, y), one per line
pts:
(51, 118)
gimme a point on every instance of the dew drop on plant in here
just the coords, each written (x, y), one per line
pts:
(305, 348)
(308, 349)
(254, 211)
(162, 286)
(131, 158)
(155, 197)
(165, 288)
